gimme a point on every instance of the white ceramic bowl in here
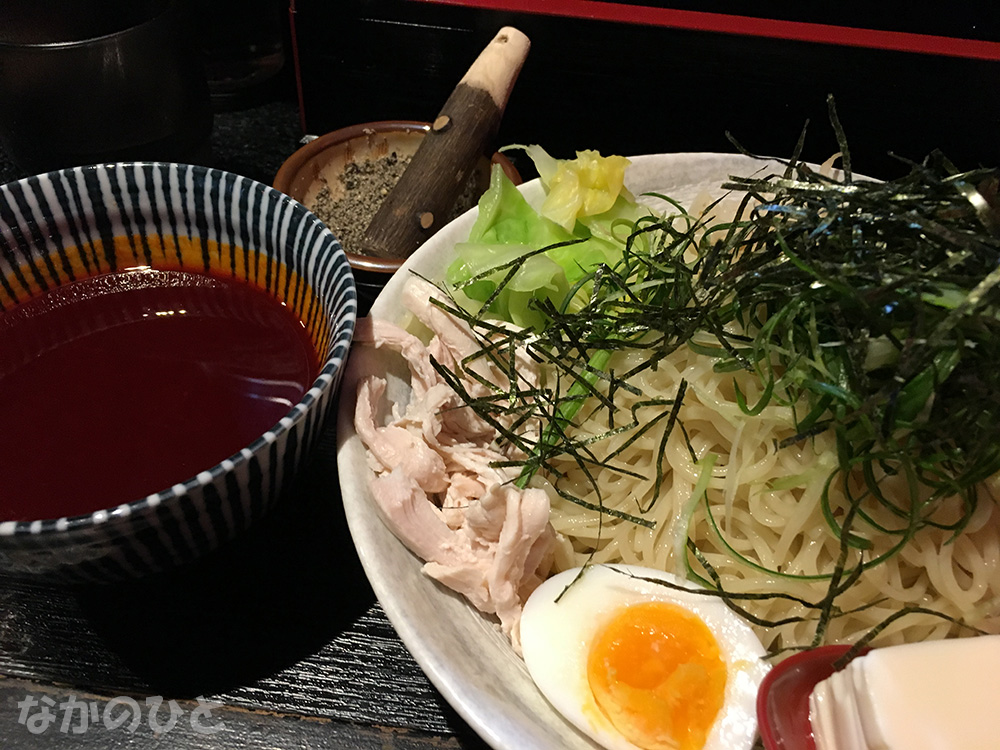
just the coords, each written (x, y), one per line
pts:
(461, 651)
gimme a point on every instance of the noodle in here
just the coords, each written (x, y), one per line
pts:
(818, 538)
(766, 504)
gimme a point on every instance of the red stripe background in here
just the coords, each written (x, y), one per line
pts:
(744, 25)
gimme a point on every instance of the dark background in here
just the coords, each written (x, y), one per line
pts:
(624, 87)
(627, 88)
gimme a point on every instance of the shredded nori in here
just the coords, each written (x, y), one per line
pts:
(871, 308)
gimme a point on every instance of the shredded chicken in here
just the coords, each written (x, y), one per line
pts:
(434, 484)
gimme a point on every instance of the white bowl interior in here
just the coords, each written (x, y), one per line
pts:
(462, 652)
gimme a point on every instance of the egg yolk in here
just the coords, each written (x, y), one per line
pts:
(656, 673)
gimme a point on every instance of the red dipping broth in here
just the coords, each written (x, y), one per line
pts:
(120, 385)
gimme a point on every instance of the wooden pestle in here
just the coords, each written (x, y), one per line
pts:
(419, 203)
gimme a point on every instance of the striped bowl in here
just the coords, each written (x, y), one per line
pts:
(79, 222)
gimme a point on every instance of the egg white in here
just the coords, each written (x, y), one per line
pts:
(556, 637)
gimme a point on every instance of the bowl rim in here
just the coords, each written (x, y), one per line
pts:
(812, 662)
(291, 166)
(331, 365)
(169, 8)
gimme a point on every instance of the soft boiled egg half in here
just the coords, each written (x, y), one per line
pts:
(635, 663)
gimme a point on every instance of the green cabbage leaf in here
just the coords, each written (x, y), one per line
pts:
(583, 222)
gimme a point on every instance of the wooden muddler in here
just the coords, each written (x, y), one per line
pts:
(419, 203)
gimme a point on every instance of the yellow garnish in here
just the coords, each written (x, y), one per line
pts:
(584, 186)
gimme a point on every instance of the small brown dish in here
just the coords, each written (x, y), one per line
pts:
(314, 174)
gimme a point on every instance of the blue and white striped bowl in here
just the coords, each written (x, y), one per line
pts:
(89, 220)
